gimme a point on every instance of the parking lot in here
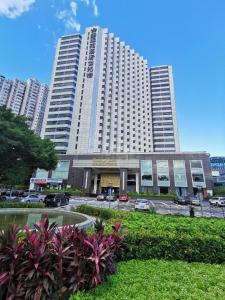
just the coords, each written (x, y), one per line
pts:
(160, 206)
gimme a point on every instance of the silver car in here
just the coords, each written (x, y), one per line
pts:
(101, 197)
(111, 198)
(33, 198)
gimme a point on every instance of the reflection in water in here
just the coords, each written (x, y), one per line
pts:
(29, 218)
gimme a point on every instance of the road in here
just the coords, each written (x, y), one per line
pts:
(160, 206)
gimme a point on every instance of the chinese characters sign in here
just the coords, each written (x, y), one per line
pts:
(91, 53)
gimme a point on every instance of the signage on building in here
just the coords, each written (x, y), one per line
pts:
(91, 53)
(104, 162)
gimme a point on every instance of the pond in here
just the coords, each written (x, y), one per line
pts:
(30, 216)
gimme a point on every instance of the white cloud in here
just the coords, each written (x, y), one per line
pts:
(14, 8)
(87, 2)
(69, 16)
(73, 6)
(95, 8)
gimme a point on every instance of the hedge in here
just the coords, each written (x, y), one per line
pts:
(153, 195)
(21, 205)
(160, 280)
(74, 192)
(150, 236)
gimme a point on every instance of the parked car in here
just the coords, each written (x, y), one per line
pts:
(101, 197)
(33, 198)
(57, 200)
(195, 201)
(142, 204)
(182, 200)
(123, 197)
(217, 201)
(111, 198)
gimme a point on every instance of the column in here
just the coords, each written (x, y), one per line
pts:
(137, 182)
(87, 181)
(123, 181)
(95, 184)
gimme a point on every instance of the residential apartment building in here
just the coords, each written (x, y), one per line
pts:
(164, 121)
(60, 105)
(26, 98)
(5, 87)
(16, 95)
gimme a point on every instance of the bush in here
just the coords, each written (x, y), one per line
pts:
(103, 213)
(167, 237)
(219, 191)
(160, 280)
(50, 260)
(73, 192)
(149, 195)
(21, 205)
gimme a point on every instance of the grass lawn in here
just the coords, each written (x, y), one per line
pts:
(161, 280)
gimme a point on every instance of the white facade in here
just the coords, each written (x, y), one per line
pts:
(112, 111)
(5, 87)
(26, 98)
(39, 112)
(16, 95)
(60, 104)
(164, 122)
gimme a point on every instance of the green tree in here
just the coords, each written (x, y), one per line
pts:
(21, 150)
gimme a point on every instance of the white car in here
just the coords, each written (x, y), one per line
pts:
(142, 204)
(217, 201)
(33, 198)
(195, 201)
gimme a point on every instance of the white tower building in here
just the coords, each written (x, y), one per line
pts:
(164, 121)
(112, 111)
(60, 104)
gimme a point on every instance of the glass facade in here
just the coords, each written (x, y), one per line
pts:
(180, 177)
(146, 173)
(197, 174)
(62, 169)
(163, 173)
(41, 173)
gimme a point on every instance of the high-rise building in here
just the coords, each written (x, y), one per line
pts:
(60, 105)
(112, 111)
(16, 95)
(164, 122)
(113, 121)
(104, 99)
(26, 98)
(40, 109)
(5, 87)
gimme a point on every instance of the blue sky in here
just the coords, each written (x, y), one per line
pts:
(188, 34)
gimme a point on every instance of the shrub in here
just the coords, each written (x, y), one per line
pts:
(21, 205)
(48, 260)
(74, 192)
(160, 280)
(103, 213)
(149, 195)
(219, 191)
(167, 237)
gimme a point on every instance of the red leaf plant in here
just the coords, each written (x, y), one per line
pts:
(38, 264)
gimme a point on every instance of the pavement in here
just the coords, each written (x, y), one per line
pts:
(161, 206)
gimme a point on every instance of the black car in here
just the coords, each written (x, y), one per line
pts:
(182, 200)
(57, 200)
